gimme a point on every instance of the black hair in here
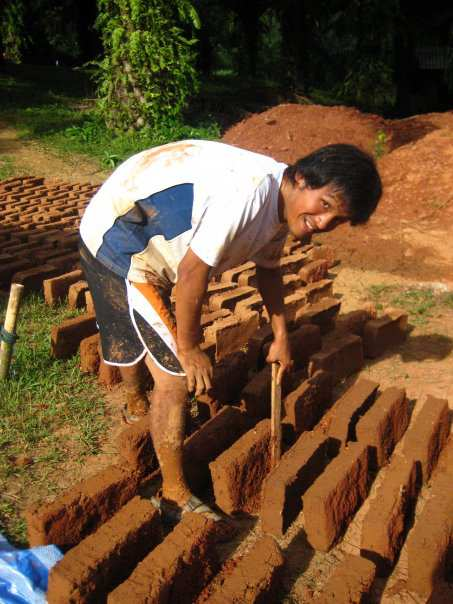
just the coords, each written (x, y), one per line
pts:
(350, 170)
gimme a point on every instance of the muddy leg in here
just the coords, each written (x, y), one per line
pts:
(167, 423)
(134, 384)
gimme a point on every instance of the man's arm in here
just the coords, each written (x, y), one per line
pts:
(191, 286)
(270, 285)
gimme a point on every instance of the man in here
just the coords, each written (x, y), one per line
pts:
(180, 214)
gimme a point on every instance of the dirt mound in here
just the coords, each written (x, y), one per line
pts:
(407, 233)
(290, 131)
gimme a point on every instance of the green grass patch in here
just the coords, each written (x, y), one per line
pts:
(7, 167)
(419, 303)
(49, 414)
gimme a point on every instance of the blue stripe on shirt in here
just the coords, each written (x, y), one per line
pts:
(167, 213)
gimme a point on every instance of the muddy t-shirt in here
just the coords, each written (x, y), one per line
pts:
(219, 200)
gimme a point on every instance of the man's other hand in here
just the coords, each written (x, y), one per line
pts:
(198, 369)
(280, 352)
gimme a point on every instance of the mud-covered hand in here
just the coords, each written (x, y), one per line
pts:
(280, 352)
(198, 369)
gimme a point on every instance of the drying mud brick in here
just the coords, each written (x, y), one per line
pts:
(385, 423)
(255, 578)
(390, 514)
(238, 473)
(331, 502)
(322, 313)
(135, 446)
(287, 482)
(427, 434)
(248, 304)
(255, 350)
(177, 569)
(380, 334)
(293, 303)
(70, 518)
(102, 561)
(89, 304)
(323, 252)
(89, 354)
(293, 262)
(66, 337)
(314, 271)
(341, 421)
(229, 377)
(56, 289)
(304, 341)
(232, 333)
(349, 583)
(232, 275)
(354, 321)
(229, 299)
(340, 357)
(76, 294)
(305, 405)
(33, 278)
(430, 541)
(256, 396)
(209, 442)
(108, 375)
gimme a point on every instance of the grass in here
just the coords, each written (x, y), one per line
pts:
(419, 303)
(48, 415)
(7, 167)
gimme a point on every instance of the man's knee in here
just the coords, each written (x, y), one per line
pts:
(173, 386)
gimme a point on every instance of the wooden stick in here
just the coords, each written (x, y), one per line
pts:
(6, 347)
(276, 413)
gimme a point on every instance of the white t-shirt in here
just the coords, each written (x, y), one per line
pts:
(219, 200)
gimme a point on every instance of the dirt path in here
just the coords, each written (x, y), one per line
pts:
(29, 158)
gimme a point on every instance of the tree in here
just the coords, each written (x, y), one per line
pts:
(147, 72)
(11, 30)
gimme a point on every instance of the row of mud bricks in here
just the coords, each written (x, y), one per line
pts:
(39, 223)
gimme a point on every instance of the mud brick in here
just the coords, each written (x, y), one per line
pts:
(229, 378)
(292, 263)
(293, 245)
(80, 511)
(385, 423)
(102, 561)
(89, 354)
(427, 434)
(89, 304)
(209, 349)
(248, 278)
(287, 482)
(248, 304)
(66, 337)
(76, 294)
(304, 341)
(350, 582)
(380, 334)
(305, 406)
(391, 512)
(221, 287)
(8, 269)
(255, 350)
(232, 333)
(256, 577)
(331, 502)
(318, 290)
(293, 303)
(176, 570)
(256, 396)
(209, 442)
(430, 541)
(109, 375)
(229, 298)
(67, 262)
(32, 278)
(354, 321)
(323, 252)
(341, 420)
(232, 275)
(314, 271)
(135, 446)
(56, 289)
(340, 357)
(322, 313)
(238, 473)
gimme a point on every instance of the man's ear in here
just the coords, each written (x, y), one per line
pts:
(300, 181)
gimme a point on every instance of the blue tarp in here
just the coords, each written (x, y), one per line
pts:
(24, 572)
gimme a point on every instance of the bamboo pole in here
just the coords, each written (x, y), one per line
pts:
(8, 335)
(276, 413)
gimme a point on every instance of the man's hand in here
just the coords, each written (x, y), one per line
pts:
(280, 352)
(198, 369)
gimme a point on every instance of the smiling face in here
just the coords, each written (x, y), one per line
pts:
(309, 210)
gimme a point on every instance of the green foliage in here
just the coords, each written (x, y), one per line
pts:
(369, 83)
(147, 72)
(380, 144)
(7, 167)
(11, 26)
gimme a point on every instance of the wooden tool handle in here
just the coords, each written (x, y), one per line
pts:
(276, 413)
(6, 348)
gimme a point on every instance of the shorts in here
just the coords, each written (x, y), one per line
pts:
(134, 319)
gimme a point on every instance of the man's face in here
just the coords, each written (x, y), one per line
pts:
(310, 210)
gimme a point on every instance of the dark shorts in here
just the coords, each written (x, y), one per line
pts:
(134, 319)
